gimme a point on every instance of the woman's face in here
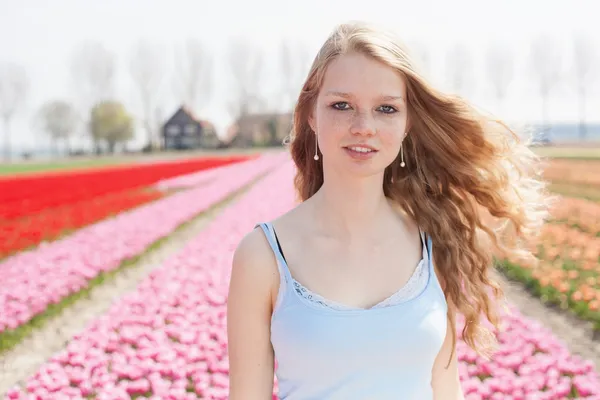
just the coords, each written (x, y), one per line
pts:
(360, 115)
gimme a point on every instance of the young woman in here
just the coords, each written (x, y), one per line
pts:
(406, 193)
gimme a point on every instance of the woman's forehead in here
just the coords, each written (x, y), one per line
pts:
(354, 74)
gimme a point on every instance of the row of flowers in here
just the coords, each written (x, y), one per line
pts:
(168, 340)
(579, 213)
(26, 195)
(568, 274)
(48, 275)
(203, 177)
(531, 363)
(23, 233)
(568, 247)
(37, 208)
(573, 171)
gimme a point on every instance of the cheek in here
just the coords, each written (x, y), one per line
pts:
(330, 121)
(391, 137)
(332, 127)
(391, 141)
(391, 133)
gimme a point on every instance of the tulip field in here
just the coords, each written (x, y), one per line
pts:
(44, 206)
(574, 171)
(569, 249)
(36, 280)
(575, 177)
(167, 338)
(568, 246)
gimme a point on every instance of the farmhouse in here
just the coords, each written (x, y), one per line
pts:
(269, 129)
(184, 131)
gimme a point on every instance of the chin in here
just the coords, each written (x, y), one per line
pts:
(362, 170)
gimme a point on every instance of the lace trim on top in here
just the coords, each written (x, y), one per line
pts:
(415, 285)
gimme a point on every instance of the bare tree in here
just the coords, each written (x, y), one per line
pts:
(193, 74)
(287, 64)
(14, 86)
(459, 69)
(500, 67)
(93, 71)
(546, 67)
(147, 68)
(294, 63)
(58, 119)
(246, 65)
(585, 69)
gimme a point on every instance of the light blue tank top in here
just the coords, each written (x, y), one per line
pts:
(381, 353)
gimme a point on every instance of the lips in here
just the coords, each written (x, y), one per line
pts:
(361, 148)
(360, 152)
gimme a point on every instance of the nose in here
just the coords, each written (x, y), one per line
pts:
(362, 124)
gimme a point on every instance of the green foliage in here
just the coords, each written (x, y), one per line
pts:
(110, 122)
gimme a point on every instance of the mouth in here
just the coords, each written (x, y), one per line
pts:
(361, 148)
(360, 152)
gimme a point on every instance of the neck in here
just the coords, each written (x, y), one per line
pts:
(350, 208)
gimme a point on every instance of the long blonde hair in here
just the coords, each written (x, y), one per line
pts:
(469, 180)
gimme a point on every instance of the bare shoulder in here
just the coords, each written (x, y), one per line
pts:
(254, 261)
(253, 258)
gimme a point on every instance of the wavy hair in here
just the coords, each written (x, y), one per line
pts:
(470, 181)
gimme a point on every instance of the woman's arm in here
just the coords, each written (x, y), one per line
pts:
(249, 308)
(445, 381)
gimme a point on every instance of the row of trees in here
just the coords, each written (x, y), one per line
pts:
(545, 64)
(109, 122)
(93, 70)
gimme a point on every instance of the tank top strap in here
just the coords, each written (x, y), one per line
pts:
(423, 237)
(432, 273)
(427, 246)
(269, 232)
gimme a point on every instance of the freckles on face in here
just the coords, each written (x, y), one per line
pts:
(361, 100)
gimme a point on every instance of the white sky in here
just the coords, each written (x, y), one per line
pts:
(41, 34)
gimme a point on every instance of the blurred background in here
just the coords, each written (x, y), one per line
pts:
(231, 68)
(141, 140)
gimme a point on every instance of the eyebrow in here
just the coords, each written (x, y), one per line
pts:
(348, 95)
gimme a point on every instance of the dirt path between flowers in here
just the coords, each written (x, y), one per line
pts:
(574, 332)
(24, 359)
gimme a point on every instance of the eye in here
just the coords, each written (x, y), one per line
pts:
(340, 105)
(388, 109)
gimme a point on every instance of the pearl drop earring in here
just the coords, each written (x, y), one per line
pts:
(402, 163)
(316, 157)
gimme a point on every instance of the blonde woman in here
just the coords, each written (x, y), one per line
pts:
(353, 293)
